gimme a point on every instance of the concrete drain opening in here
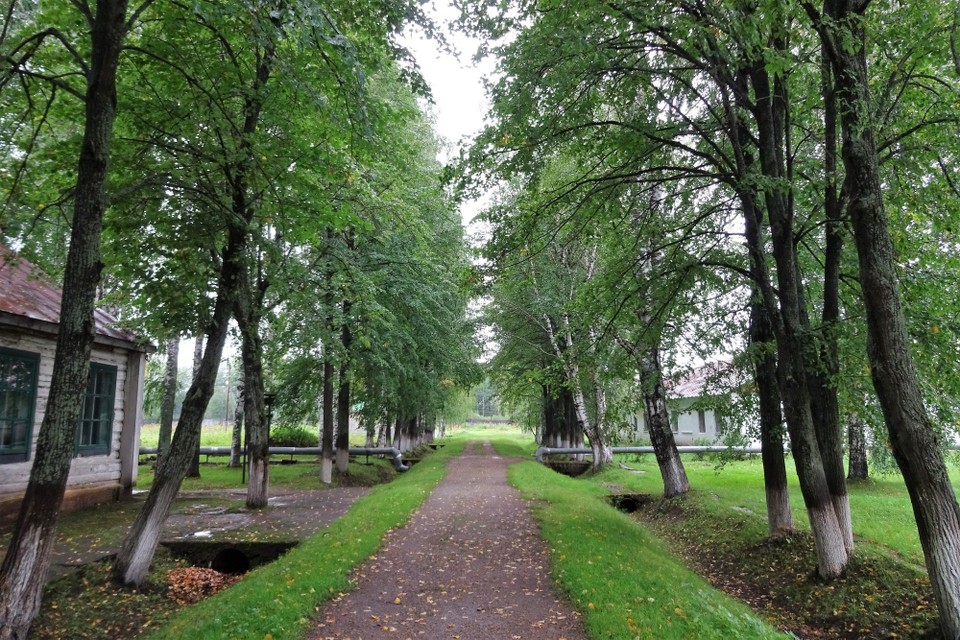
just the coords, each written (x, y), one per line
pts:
(228, 557)
(629, 502)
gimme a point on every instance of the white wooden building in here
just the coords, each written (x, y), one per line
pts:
(691, 424)
(105, 465)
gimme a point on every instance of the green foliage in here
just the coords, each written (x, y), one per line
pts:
(293, 436)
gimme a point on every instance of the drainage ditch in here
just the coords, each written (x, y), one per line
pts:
(234, 558)
(629, 502)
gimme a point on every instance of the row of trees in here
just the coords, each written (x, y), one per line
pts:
(264, 164)
(689, 176)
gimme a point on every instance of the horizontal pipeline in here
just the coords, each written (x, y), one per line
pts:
(393, 452)
(542, 452)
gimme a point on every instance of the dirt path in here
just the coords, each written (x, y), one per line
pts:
(470, 564)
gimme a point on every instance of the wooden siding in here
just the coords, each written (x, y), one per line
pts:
(86, 471)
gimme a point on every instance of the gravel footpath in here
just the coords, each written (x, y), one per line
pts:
(469, 565)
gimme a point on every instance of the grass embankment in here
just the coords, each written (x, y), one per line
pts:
(720, 528)
(278, 600)
(624, 580)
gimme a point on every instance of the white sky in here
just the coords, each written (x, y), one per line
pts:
(460, 101)
(457, 85)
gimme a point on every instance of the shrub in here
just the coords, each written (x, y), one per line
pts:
(293, 436)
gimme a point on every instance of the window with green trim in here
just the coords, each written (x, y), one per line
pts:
(96, 421)
(18, 396)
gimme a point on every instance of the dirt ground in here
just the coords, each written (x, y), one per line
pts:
(470, 564)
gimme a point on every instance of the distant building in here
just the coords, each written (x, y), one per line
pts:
(691, 425)
(105, 466)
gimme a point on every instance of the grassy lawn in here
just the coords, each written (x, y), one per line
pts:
(880, 506)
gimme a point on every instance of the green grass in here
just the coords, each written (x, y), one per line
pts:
(880, 507)
(218, 435)
(278, 600)
(508, 443)
(623, 579)
(305, 474)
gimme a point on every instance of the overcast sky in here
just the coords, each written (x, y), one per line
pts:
(457, 85)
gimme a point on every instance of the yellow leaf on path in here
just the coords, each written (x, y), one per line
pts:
(397, 600)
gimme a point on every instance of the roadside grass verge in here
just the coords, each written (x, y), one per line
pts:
(622, 578)
(278, 600)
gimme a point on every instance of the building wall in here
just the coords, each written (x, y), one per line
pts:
(685, 422)
(85, 472)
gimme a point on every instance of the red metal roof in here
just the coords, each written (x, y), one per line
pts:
(28, 292)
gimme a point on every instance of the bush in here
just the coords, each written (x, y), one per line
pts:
(293, 436)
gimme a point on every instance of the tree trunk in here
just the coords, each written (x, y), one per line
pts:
(825, 404)
(857, 446)
(326, 437)
(912, 437)
(779, 515)
(236, 443)
(136, 552)
(383, 432)
(790, 332)
(169, 398)
(25, 565)
(254, 414)
(371, 431)
(658, 421)
(343, 422)
(194, 470)
(343, 396)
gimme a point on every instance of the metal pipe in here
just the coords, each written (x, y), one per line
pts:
(548, 451)
(393, 452)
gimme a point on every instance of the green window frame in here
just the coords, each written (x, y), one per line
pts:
(18, 398)
(96, 420)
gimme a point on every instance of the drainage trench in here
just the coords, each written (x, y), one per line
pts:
(629, 502)
(235, 558)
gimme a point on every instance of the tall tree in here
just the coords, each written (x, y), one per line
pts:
(841, 25)
(108, 24)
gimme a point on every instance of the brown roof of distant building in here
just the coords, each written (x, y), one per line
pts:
(695, 383)
(28, 293)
